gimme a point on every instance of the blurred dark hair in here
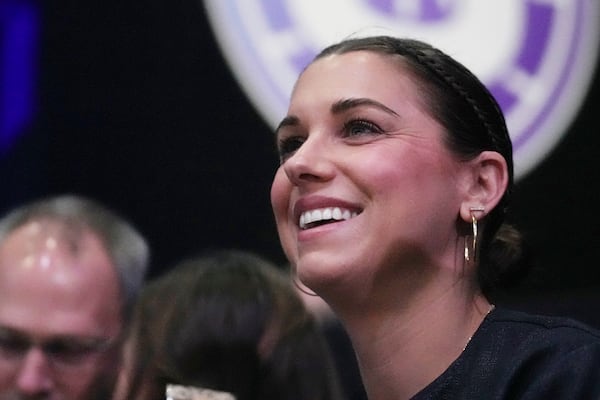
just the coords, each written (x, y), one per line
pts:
(230, 321)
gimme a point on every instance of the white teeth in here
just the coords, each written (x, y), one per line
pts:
(324, 214)
(337, 213)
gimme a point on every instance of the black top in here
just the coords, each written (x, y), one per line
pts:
(519, 356)
(345, 360)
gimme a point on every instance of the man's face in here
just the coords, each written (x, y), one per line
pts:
(60, 316)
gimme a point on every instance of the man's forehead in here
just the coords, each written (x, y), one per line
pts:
(40, 240)
(39, 258)
(66, 296)
(51, 229)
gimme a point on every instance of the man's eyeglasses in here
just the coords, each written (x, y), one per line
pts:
(62, 352)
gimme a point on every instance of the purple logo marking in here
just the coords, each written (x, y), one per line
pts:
(536, 56)
(425, 10)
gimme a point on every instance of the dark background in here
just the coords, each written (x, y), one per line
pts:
(137, 108)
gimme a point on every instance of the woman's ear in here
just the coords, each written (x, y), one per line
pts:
(486, 186)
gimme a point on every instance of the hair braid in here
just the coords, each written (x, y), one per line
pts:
(425, 59)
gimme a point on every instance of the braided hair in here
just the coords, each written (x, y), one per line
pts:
(473, 122)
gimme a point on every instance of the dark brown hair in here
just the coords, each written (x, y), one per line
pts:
(230, 321)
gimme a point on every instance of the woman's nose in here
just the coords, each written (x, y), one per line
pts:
(312, 162)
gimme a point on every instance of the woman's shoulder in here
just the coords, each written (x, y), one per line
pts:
(538, 331)
(517, 355)
(538, 356)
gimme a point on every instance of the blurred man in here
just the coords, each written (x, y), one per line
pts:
(70, 271)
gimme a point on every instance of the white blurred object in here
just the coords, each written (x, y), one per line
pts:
(178, 392)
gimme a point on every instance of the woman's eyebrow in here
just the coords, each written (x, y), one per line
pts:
(347, 104)
(339, 107)
(290, 120)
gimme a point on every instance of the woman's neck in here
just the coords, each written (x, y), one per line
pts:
(404, 347)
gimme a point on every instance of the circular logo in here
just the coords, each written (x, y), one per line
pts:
(536, 56)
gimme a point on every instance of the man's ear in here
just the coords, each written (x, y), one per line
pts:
(487, 182)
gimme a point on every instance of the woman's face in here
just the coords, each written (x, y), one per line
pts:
(366, 187)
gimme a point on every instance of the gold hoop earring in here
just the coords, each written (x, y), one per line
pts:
(298, 285)
(471, 250)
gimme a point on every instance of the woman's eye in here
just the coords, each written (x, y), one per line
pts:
(360, 127)
(288, 146)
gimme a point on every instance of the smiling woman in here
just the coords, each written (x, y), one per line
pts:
(396, 172)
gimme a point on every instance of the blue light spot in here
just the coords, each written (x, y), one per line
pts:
(19, 25)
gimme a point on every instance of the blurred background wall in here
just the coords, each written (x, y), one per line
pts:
(134, 104)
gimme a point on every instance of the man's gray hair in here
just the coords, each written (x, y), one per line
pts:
(126, 247)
